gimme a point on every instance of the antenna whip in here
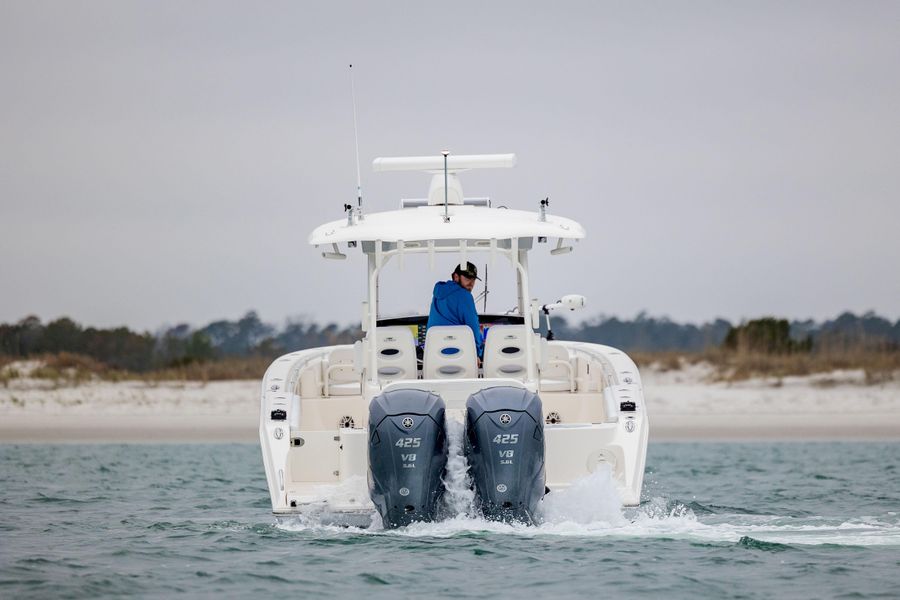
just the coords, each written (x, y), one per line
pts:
(356, 138)
(486, 292)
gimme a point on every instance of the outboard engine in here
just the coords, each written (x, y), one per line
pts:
(407, 455)
(505, 450)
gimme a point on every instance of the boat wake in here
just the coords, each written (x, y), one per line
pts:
(596, 518)
(590, 507)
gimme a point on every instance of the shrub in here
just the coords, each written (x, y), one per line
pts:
(766, 336)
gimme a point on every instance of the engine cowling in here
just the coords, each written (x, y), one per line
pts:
(505, 451)
(407, 455)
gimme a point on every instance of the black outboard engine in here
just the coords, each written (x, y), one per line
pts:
(505, 450)
(407, 455)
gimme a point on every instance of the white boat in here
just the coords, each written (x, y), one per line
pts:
(353, 430)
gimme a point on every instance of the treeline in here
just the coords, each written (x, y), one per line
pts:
(846, 333)
(643, 333)
(124, 349)
(139, 352)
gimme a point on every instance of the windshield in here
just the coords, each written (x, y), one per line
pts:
(408, 291)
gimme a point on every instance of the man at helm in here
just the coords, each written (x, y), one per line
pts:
(452, 303)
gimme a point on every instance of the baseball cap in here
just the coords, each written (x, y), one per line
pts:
(471, 271)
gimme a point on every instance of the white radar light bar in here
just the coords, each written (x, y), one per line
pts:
(460, 162)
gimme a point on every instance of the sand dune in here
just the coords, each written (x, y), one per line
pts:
(683, 405)
(686, 405)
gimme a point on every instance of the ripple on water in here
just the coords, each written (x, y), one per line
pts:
(755, 544)
(760, 515)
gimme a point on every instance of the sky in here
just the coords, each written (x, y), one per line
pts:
(164, 162)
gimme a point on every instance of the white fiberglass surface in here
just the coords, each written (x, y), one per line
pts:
(427, 223)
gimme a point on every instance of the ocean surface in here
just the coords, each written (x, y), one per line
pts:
(719, 520)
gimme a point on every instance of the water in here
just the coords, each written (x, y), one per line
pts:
(785, 520)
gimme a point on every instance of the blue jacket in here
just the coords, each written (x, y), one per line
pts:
(453, 304)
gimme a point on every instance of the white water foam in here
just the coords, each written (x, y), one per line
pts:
(459, 497)
(590, 500)
(589, 510)
(676, 524)
(591, 507)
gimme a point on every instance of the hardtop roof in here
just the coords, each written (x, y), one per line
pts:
(465, 223)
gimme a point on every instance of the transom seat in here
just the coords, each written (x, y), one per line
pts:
(557, 371)
(340, 376)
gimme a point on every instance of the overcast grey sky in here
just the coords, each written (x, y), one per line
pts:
(164, 162)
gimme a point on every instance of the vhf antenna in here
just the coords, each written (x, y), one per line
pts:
(485, 292)
(356, 138)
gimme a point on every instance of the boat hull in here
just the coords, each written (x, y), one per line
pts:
(316, 448)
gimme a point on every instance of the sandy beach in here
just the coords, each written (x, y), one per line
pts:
(684, 405)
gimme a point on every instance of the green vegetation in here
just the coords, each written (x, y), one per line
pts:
(221, 350)
(769, 347)
(774, 348)
(878, 367)
(69, 354)
(7, 372)
(765, 336)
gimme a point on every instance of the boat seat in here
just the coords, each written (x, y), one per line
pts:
(450, 353)
(557, 371)
(505, 352)
(396, 353)
(339, 373)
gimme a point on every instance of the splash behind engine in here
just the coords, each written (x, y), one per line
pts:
(407, 455)
(505, 450)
